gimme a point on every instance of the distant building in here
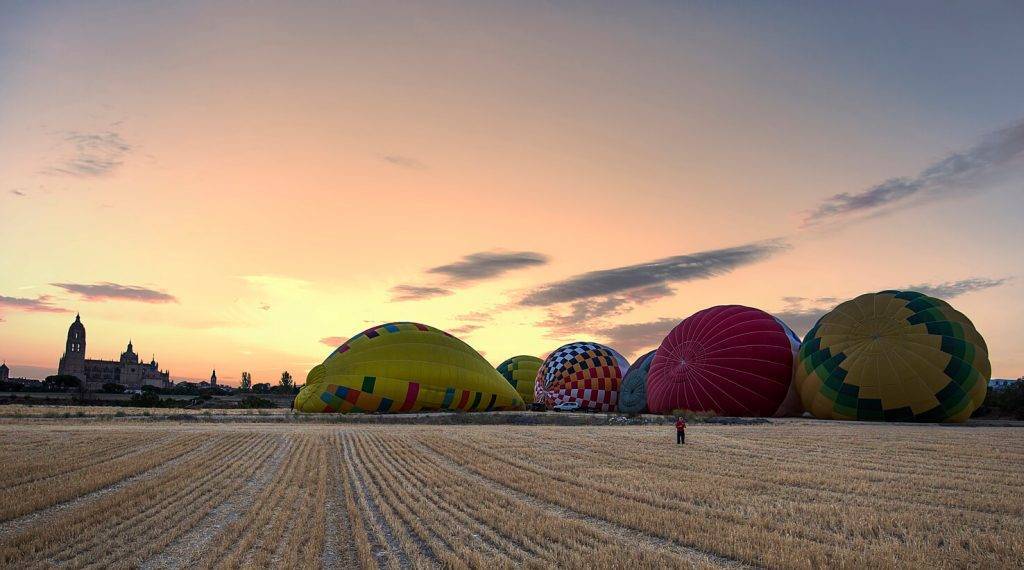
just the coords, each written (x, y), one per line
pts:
(213, 378)
(5, 372)
(127, 371)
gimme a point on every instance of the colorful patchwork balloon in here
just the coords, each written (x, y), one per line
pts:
(633, 390)
(730, 360)
(586, 373)
(521, 373)
(893, 356)
(405, 367)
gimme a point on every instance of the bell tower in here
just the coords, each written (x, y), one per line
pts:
(73, 361)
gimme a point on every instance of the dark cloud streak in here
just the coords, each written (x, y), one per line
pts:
(951, 289)
(115, 292)
(416, 293)
(957, 174)
(93, 155)
(404, 161)
(487, 265)
(653, 276)
(41, 304)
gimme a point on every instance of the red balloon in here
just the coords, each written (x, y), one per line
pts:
(730, 359)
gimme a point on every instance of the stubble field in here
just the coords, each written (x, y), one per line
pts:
(791, 494)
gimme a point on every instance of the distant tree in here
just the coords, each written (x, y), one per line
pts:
(63, 381)
(1004, 402)
(113, 388)
(261, 388)
(246, 382)
(148, 400)
(286, 380)
(186, 388)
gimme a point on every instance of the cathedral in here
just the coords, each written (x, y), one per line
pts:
(127, 371)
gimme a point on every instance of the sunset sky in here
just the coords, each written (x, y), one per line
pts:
(242, 187)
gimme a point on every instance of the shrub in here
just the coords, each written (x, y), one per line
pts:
(1007, 401)
(254, 402)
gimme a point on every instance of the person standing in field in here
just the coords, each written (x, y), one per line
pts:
(680, 430)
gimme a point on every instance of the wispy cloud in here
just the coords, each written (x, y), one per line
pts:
(951, 289)
(41, 304)
(464, 329)
(404, 161)
(90, 155)
(475, 317)
(333, 341)
(416, 292)
(800, 313)
(486, 265)
(116, 292)
(632, 338)
(654, 274)
(589, 315)
(972, 170)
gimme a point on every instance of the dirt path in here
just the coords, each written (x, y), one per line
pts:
(189, 547)
(359, 486)
(623, 533)
(339, 528)
(49, 514)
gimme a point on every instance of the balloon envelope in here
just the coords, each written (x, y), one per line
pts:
(587, 373)
(893, 356)
(729, 359)
(633, 391)
(405, 367)
(521, 372)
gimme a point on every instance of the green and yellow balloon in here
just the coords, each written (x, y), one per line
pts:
(893, 356)
(521, 373)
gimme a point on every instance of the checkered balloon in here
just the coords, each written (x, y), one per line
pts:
(587, 373)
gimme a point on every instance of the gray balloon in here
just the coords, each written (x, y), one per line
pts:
(633, 389)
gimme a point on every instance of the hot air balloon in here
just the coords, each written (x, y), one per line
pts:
(587, 373)
(521, 373)
(633, 391)
(893, 356)
(405, 367)
(730, 360)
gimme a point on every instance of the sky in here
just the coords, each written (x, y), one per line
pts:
(242, 186)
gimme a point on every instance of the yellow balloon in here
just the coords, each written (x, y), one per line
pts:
(405, 367)
(521, 373)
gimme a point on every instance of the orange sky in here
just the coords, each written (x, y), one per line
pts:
(232, 186)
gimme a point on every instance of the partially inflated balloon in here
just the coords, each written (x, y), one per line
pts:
(521, 373)
(633, 391)
(893, 356)
(730, 360)
(405, 367)
(586, 373)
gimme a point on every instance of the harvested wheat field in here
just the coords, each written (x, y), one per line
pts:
(790, 494)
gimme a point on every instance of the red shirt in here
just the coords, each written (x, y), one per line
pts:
(680, 425)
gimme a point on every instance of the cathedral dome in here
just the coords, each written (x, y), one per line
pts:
(77, 326)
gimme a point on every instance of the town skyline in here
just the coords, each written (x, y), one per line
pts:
(289, 177)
